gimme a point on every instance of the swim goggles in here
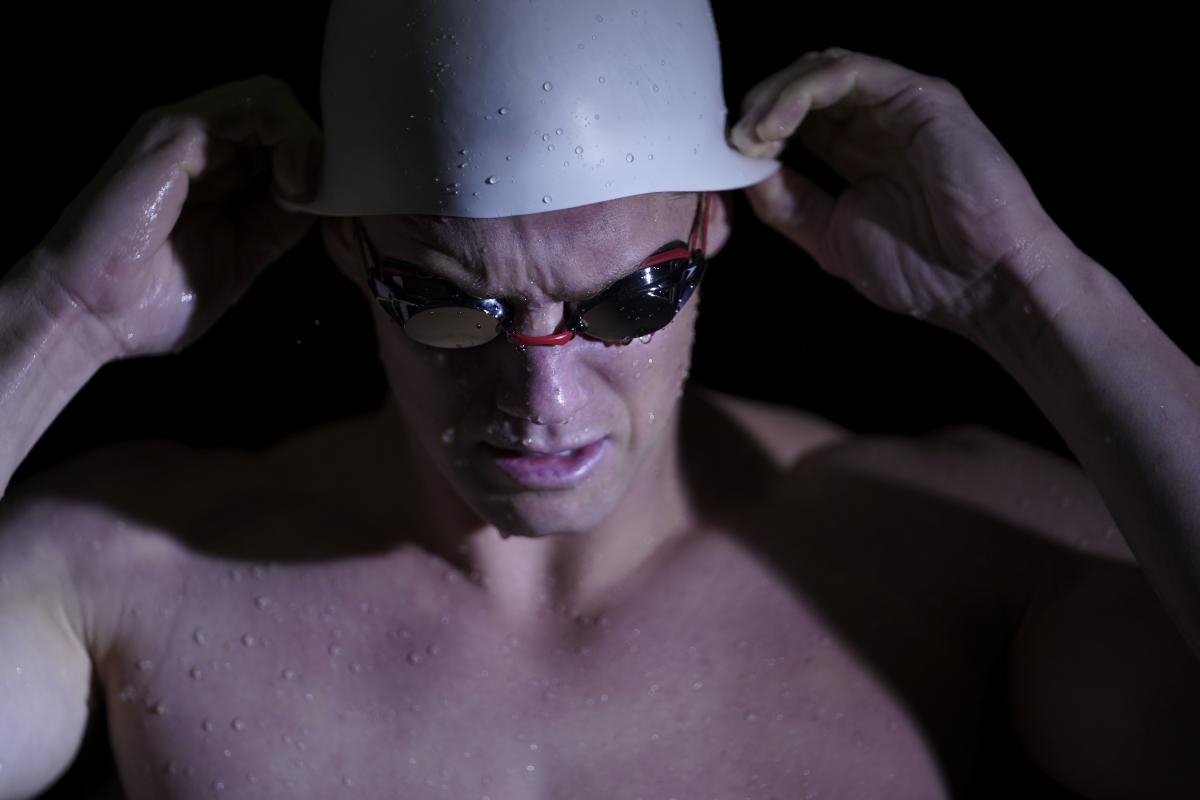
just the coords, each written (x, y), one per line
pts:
(434, 312)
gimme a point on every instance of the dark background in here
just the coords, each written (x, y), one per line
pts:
(1091, 108)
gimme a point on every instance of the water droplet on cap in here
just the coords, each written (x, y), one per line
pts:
(558, 131)
(502, 110)
(547, 86)
(629, 158)
(546, 199)
(491, 180)
(578, 150)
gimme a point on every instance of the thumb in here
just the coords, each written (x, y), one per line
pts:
(795, 206)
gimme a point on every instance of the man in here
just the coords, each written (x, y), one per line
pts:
(539, 571)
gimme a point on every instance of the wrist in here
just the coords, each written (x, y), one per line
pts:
(43, 312)
(1030, 296)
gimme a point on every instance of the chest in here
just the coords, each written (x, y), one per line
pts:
(387, 677)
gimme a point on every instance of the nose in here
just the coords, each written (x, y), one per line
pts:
(545, 385)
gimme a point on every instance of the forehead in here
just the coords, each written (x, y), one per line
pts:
(560, 251)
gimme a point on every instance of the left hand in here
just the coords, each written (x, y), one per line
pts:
(934, 205)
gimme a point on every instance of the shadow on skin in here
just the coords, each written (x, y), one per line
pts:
(877, 565)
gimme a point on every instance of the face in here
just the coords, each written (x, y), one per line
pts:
(540, 440)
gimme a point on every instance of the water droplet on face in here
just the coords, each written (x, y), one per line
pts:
(335, 650)
(547, 86)
(491, 180)
(238, 725)
(414, 658)
(629, 158)
(206, 726)
(649, 337)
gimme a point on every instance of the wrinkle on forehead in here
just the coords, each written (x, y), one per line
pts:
(558, 255)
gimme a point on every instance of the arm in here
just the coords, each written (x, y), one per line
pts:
(937, 222)
(169, 234)
(1123, 397)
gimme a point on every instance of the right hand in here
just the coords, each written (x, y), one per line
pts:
(180, 220)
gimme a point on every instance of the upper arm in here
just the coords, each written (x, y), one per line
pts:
(1104, 693)
(45, 670)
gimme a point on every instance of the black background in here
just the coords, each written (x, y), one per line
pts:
(1091, 108)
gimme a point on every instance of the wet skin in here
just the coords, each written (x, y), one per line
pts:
(736, 601)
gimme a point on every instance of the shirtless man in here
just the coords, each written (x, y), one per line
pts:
(704, 598)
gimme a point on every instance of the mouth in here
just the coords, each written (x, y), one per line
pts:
(563, 469)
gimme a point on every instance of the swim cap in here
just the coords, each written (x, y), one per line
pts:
(498, 108)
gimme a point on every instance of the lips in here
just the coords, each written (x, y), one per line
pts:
(543, 469)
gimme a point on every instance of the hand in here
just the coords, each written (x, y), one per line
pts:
(933, 205)
(180, 221)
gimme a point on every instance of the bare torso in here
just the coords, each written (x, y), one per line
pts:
(257, 631)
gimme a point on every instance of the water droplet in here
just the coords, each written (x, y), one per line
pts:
(464, 152)
(629, 158)
(219, 786)
(650, 157)
(491, 180)
(335, 649)
(288, 674)
(655, 87)
(433, 650)
(463, 164)
(550, 148)
(599, 18)
(346, 781)
(529, 768)
(751, 716)
(196, 673)
(578, 150)
(355, 667)
(698, 685)
(414, 658)
(248, 640)
(547, 86)
(206, 726)
(502, 111)
(651, 417)
(649, 337)
(546, 199)
(263, 602)
(238, 725)
(545, 137)
(558, 131)
(145, 664)
(158, 709)
(448, 436)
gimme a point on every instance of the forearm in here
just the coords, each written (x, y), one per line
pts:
(1123, 397)
(42, 362)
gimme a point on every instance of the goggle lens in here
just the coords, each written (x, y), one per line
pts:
(451, 327)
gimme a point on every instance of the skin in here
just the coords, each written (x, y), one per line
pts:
(792, 610)
(452, 402)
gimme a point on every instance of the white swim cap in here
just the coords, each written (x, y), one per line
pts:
(495, 108)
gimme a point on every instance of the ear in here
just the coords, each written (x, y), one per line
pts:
(720, 221)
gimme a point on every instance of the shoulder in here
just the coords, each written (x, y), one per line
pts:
(785, 435)
(1012, 481)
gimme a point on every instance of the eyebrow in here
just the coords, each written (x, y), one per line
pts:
(478, 288)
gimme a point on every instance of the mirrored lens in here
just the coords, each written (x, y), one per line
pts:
(451, 326)
(629, 317)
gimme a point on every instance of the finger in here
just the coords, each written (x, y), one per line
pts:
(260, 112)
(796, 207)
